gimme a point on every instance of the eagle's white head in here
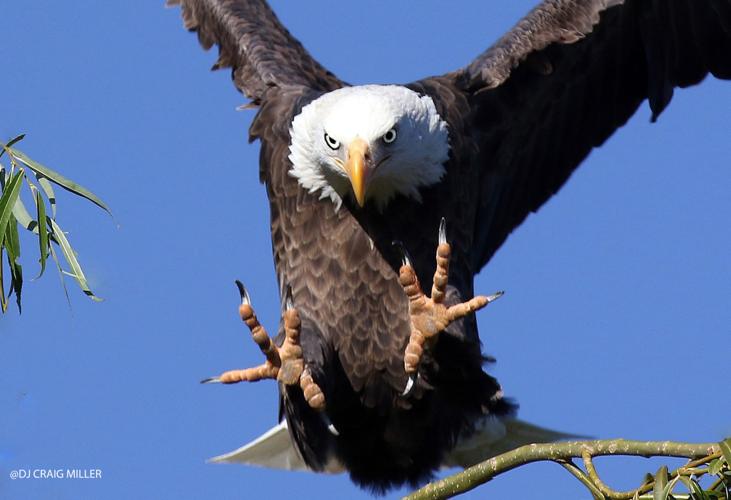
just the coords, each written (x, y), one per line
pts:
(373, 141)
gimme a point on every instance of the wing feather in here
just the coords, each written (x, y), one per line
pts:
(563, 80)
(252, 41)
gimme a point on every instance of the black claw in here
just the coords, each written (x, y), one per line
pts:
(405, 257)
(245, 299)
(211, 380)
(495, 296)
(442, 231)
(288, 300)
(410, 384)
(330, 426)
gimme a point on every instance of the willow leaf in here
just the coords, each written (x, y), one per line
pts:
(3, 300)
(23, 217)
(47, 188)
(715, 466)
(70, 256)
(8, 199)
(42, 229)
(10, 143)
(59, 179)
(15, 139)
(694, 488)
(60, 275)
(725, 446)
(12, 246)
(661, 481)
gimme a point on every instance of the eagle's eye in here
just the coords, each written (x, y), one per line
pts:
(332, 143)
(389, 136)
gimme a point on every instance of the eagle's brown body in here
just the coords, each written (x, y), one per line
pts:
(521, 118)
(335, 263)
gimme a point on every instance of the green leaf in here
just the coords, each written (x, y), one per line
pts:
(715, 466)
(15, 139)
(3, 300)
(42, 229)
(70, 257)
(12, 246)
(696, 492)
(48, 189)
(59, 179)
(8, 199)
(11, 142)
(12, 241)
(661, 481)
(725, 446)
(60, 275)
(23, 217)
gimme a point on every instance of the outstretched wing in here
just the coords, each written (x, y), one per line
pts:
(564, 79)
(253, 43)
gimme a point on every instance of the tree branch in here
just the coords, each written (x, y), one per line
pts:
(562, 453)
(581, 476)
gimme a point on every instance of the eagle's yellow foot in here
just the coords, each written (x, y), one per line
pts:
(429, 315)
(285, 364)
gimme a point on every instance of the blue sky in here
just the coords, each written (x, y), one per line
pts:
(615, 323)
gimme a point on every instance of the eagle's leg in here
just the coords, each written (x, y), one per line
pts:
(286, 364)
(429, 315)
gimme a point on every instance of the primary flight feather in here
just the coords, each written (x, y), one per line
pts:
(375, 388)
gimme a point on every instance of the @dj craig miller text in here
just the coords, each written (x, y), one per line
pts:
(56, 474)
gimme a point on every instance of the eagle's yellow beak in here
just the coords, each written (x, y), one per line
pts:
(356, 168)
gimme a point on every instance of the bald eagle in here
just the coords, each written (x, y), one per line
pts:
(376, 377)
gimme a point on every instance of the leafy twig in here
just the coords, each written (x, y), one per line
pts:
(13, 214)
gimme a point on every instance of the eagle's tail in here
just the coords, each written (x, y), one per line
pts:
(493, 436)
(496, 435)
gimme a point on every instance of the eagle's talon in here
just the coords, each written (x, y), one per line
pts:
(405, 257)
(410, 382)
(429, 315)
(330, 426)
(285, 364)
(245, 299)
(442, 231)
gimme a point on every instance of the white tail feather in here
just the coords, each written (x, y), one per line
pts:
(274, 448)
(499, 435)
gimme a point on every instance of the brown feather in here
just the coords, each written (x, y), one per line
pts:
(252, 41)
